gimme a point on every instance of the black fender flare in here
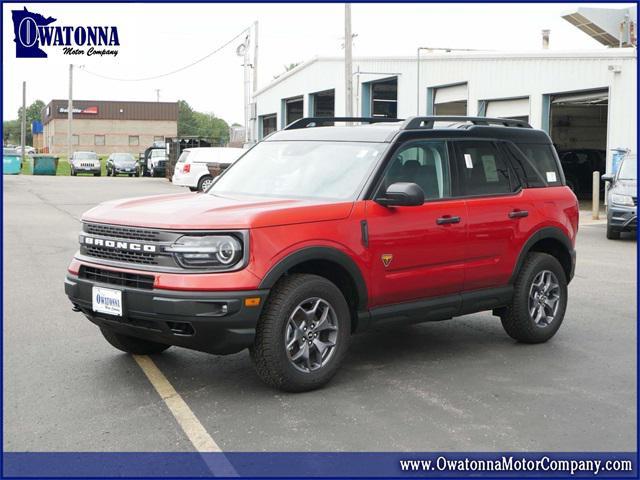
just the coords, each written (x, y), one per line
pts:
(319, 253)
(547, 232)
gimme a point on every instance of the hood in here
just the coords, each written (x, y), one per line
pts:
(124, 163)
(625, 187)
(203, 211)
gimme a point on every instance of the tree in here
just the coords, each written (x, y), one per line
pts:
(198, 124)
(12, 127)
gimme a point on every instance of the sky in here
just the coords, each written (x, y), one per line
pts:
(159, 38)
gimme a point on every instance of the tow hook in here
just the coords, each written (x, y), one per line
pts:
(75, 308)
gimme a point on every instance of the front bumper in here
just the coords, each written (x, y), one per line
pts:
(128, 170)
(622, 218)
(212, 322)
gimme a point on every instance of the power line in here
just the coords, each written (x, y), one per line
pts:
(154, 77)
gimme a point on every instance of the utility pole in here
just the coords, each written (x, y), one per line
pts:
(348, 68)
(254, 122)
(157, 94)
(23, 125)
(247, 91)
(70, 113)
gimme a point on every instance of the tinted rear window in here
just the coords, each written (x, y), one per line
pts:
(183, 157)
(541, 166)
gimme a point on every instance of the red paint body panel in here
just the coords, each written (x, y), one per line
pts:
(429, 260)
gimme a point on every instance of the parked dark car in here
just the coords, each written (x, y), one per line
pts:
(579, 165)
(121, 163)
(622, 199)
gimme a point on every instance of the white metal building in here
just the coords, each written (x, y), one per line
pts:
(583, 99)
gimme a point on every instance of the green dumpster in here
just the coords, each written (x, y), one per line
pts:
(11, 161)
(44, 164)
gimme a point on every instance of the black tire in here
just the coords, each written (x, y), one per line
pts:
(130, 175)
(206, 178)
(516, 319)
(269, 352)
(97, 174)
(133, 345)
(73, 172)
(612, 233)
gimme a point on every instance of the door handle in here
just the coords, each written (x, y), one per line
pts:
(518, 214)
(447, 219)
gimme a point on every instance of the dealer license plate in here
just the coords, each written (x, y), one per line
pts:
(107, 300)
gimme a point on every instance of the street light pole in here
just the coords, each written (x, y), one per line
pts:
(69, 113)
(348, 67)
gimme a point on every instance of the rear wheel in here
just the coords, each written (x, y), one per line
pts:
(205, 182)
(133, 345)
(612, 233)
(303, 333)
(539, 300)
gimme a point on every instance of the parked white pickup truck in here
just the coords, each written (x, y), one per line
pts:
(197, 167)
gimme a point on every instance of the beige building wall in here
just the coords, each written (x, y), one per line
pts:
(132, 136)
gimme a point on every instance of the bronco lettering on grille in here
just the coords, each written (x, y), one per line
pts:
(117, 244)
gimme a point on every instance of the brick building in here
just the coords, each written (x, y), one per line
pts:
(108, 126)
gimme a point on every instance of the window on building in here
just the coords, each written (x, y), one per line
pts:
(269, 124)
(134, 140)
(384, 98)
(99, 140)
(483, 169)
(323, 104)
(75, 139)
(293, 109)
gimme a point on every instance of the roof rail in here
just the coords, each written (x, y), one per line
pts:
(329, 121)
(428, 122)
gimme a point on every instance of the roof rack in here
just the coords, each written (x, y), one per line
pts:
(328, 121)
(428, 122)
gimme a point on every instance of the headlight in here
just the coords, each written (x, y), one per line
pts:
(219, 252)
(621, 199)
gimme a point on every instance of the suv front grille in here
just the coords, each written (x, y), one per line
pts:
(121, 255)
(120, 232)
(111, 244)
(112, 277)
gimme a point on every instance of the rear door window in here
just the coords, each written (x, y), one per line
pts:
(483, 169)
(541, 164)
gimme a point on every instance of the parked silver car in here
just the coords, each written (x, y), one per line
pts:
(85, 162)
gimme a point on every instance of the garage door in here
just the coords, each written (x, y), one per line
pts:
(454, 93)
(512, 108)
(600, 97)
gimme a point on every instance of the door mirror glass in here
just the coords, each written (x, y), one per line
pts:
(402, 194)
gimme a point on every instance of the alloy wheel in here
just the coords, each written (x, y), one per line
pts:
(311, 334)
(544, 298)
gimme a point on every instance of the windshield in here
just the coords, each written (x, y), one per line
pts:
(158, 153)
(85, 156)
(628, 170)
(301, 169)
(123, 157)
(9, 151)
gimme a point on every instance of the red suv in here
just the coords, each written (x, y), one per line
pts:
(321, 230)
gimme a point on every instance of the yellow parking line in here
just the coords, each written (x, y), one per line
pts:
(189, 423)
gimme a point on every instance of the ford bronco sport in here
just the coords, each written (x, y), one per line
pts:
(322, 230)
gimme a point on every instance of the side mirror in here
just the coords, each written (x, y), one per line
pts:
(402, 194)
(607, 177)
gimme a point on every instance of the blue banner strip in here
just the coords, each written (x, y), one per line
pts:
(316, 464)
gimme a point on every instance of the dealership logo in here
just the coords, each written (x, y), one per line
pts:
(117, 244)
(35, 32)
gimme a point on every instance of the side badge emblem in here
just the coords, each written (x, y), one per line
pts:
(386, 259)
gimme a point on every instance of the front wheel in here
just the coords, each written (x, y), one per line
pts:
(303, 333)
(612, 233)
(539, 300)
(133, 345)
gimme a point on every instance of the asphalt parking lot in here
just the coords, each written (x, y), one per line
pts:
(461, 385)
